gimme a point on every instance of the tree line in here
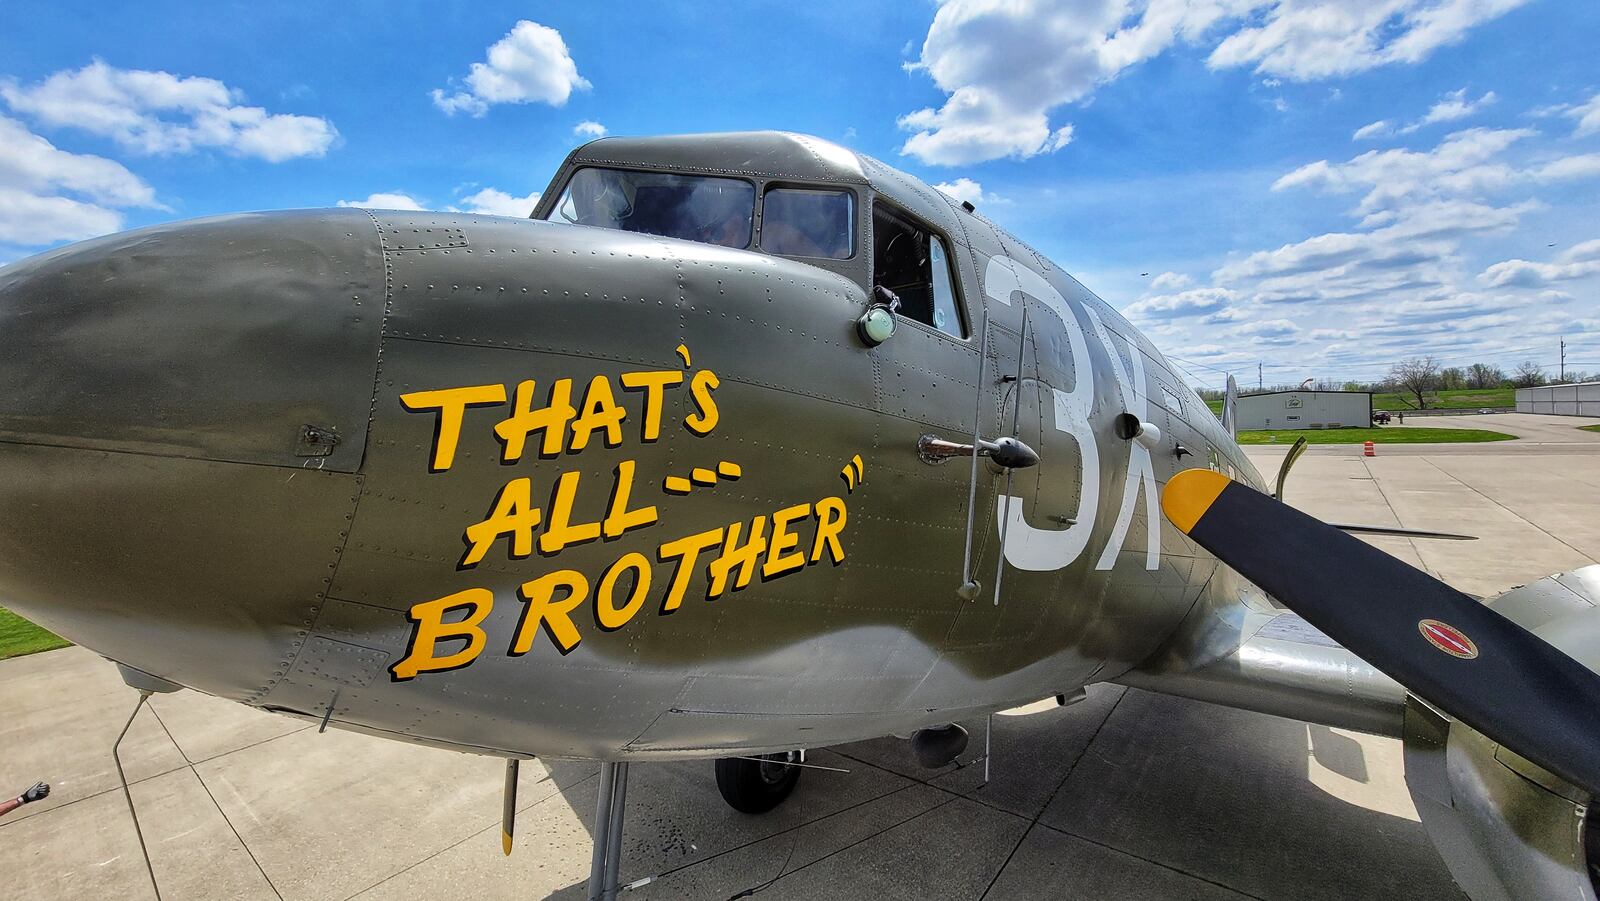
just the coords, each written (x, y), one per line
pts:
(1418, 377)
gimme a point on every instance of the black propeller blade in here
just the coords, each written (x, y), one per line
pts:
(1442, 645)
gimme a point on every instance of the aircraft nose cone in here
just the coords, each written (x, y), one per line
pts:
(182, 412)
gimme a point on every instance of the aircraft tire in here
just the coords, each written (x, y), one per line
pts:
(756, 786)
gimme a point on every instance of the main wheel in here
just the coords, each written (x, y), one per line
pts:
(752, 785)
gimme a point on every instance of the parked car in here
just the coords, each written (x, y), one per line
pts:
(1381, 417)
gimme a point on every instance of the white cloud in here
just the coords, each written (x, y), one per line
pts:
(1588, 115)
(1310, 39)
(1006, 64)
(1450, 108)
(530, 64)
(31, 219)
(1586, 165)
(385, 201)
(160, 113)
(589, 128)
(1171, 281)
(1185, 303)
(488, 201)
(36, 179)
(1374, 130)
(963, 189)
(493, 202)
(30, 162)
(1575, 262)
(1268, 328)
(1463, 163)
(1453, 106)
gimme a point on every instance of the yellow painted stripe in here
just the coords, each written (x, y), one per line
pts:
(505, 843)
(1190, 494)
(703, 476)
(676, 484)
(729, 470)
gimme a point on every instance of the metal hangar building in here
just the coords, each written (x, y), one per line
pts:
(1305, 410)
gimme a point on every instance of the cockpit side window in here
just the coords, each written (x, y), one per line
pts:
(692, 207)
(808, 222)
(914, 263)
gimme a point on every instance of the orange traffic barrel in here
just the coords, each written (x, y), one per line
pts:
(1369, 451)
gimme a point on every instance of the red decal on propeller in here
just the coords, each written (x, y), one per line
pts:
(1448, 638)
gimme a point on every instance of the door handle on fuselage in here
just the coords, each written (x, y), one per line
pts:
(1007, 453)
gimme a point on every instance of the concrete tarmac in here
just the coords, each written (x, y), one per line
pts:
(1127, 795)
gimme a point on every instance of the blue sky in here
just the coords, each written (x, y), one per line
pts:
(1326, 187)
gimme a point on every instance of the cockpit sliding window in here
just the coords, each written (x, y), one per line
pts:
(808, 222)
(692, 207)
(913, 262)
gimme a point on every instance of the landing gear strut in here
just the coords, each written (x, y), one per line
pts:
(605, 862)
(757, 784)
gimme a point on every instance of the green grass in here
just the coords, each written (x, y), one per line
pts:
(19, 637)
(1463, 399)
(1381, 436)
(1590, 428)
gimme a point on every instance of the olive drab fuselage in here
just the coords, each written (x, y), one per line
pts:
(536, 488)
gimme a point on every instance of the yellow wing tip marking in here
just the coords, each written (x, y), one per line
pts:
(505, 843)
(1189, 494)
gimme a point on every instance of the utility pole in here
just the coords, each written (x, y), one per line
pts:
(1563, 358)
(1259, 385)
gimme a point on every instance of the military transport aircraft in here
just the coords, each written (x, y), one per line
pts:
(745, 444)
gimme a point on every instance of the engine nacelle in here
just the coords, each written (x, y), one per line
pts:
(1506, 828)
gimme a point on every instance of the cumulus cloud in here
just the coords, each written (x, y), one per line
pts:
(160, 113)
(1171, 281)
(530, 64)
(32, 220)
(488, 201)
(1465, 162)
(1311, 39)
(589, 128)
(1005, 65)
(963, 189)
(393, 200)
(494, 202)
(49, 195)
(1575, 262)
(1186, 303)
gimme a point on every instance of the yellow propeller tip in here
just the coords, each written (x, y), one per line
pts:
(1189, 494)
(505, 843)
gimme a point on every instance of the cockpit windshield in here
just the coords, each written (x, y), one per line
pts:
(691, 207)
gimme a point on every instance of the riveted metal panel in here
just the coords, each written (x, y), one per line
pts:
(216, 339)
(203, 573)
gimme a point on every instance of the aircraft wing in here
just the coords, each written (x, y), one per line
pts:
(1500, 704)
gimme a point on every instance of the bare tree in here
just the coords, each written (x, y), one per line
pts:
(1452, 379)
(1528, 374)
(1482, 375)
(1416, 376)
